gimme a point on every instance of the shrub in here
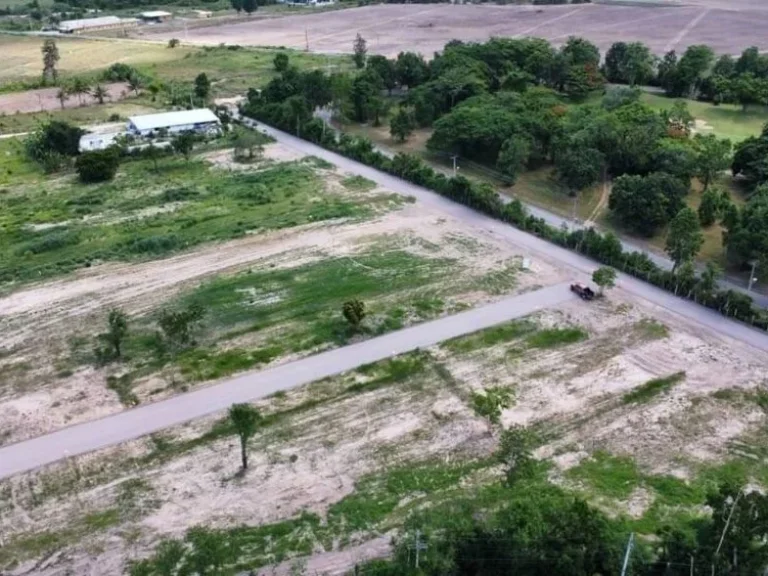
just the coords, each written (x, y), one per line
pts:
(98, 165)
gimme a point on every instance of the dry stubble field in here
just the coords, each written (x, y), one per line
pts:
(326, 446)
(426, 28)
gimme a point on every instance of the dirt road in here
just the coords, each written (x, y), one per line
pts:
(130, 424)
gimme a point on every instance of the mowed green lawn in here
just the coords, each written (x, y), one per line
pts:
(726, 120)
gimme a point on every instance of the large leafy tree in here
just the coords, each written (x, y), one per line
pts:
(513, 156)
(713, 156)
(385, 68)
(402, 124)
(646, 203)
(684, 238)
(746, 239)
(411, 69)
(359, 51)
(578, 167)
(750, 160)
(202, 86)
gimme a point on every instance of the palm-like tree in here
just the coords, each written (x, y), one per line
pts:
(80, 87)
(99, 92)
(63, 96)
(135, 83)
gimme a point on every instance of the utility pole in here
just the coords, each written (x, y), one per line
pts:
(419, 546)
(752, 275)
(691, 564)
(455, 168)
(630, 543)
(306, 40)
(725, 528)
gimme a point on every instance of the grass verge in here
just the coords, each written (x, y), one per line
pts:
(648, 391)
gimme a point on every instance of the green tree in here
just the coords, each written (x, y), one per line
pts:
(710, 208)
(604, 277)
(684, 239)
(637, 64)
(117, 330)
(50, 60)
(250, 6)
(245, 421)
(79, 87)
(178, 326)
(490, 402)
(99, 92)
(515, 453)
(63, 96)
(713, 156)
(359, 49)
(237, 5)
(247, 144)
(513, 156)
(746, 238)
(153, 153)
(402, 124)
(411, 69)
(579, 167)
(708, 279)
(354, 312)
(135, 83)
(98, 165)
(202, 86)
(173, 42)
(281, 62)
(646, 203)
(385, 68)
(184, 143)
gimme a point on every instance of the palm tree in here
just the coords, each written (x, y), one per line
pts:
(80, 87)
(245, 420)
(63, 96)
(99, 92)
(135, 83)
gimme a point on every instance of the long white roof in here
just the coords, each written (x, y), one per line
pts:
(169, 119)
(89, 22)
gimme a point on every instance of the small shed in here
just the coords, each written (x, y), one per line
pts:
(155, 16)
(89, 142)
(202, 13)
(200, 120)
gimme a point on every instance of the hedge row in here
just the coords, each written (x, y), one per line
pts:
(604, 248)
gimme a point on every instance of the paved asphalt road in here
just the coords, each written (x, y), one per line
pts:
(149, 418)
(131, 424)
(582, 264)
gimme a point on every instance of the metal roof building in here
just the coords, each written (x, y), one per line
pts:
(100, 23)
(199, 120)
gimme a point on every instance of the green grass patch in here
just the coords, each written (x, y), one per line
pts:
(646, 392)
(358, 183)
(556, 337)
(607, 475)
(491, 336)
(726, 120)
(650, 329)
(59, 226)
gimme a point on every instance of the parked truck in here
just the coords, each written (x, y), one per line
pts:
(583, 292)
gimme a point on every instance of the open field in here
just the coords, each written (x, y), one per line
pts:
(46, 99)
(724, 120)
(82, 116)
(231, 71)
(390, 29)
(637, 410)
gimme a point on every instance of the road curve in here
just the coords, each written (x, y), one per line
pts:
(124, 426)
(690, 310)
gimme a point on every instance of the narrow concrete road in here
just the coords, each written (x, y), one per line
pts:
(130, 424)
(704, 316)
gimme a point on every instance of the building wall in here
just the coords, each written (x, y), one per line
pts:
(118, 26)
(209, 127)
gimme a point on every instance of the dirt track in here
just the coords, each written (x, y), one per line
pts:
(46, 99)
(426, 28)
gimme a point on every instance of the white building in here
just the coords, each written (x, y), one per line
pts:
(200, 120)
(156, 16)
(93, 24)
(89, 142)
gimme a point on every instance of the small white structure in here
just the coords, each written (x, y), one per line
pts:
(200, 120)
(202, 13)
(92, 24)
(89, 142)
(155, 16)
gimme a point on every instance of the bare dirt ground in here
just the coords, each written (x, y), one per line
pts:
(45, 99)
(312, 460)
(40, 323)
(389, 29)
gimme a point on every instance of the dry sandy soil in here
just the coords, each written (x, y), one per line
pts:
(45, 99)
(313, 459)
(426, 28)
(39, 323)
